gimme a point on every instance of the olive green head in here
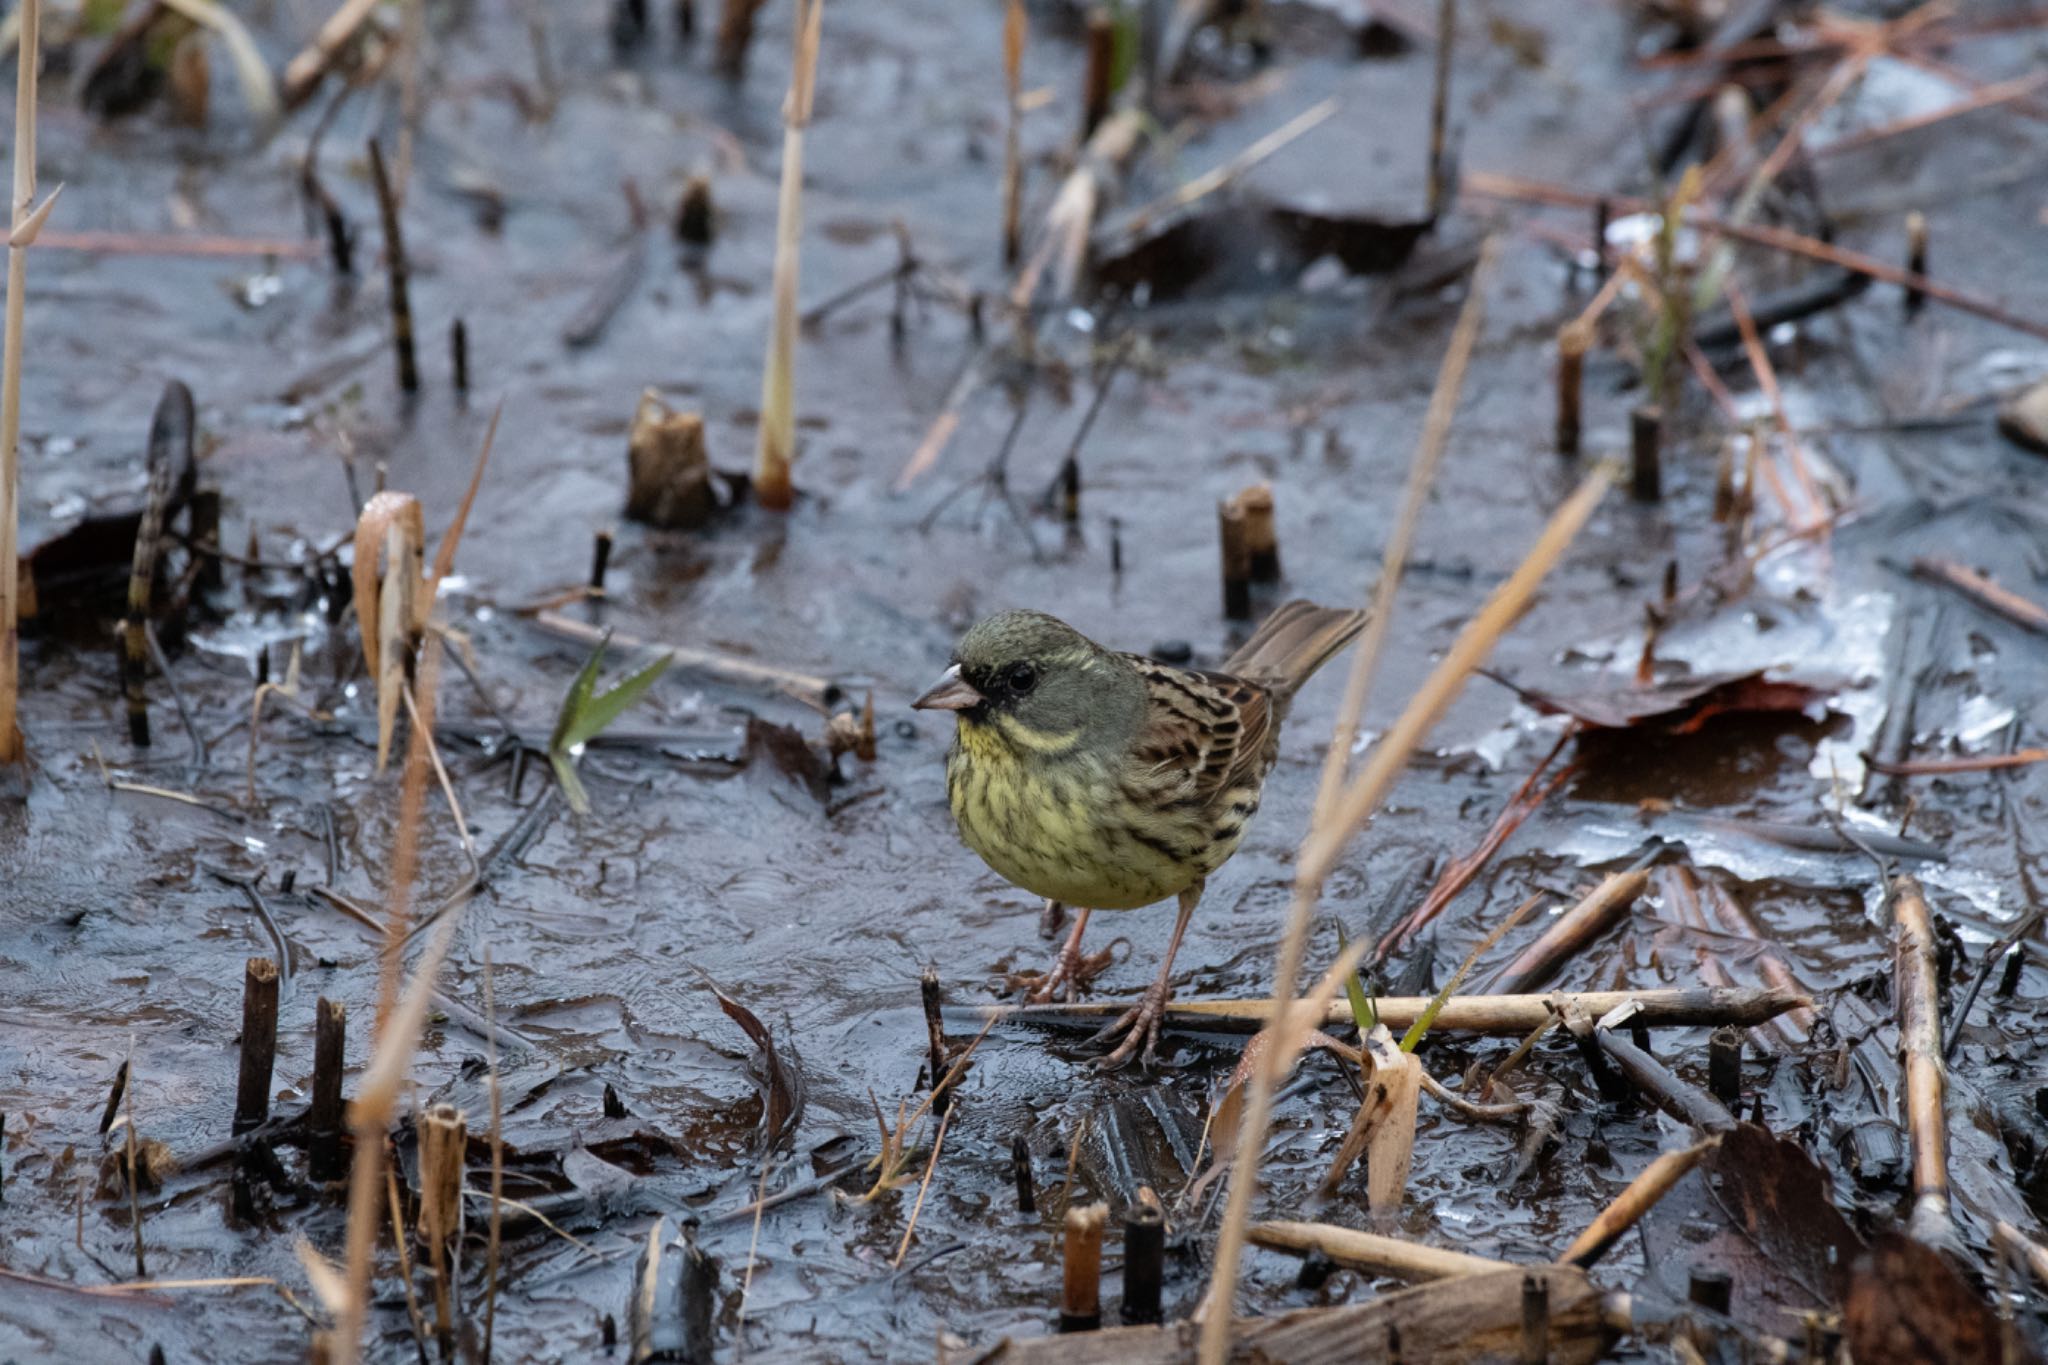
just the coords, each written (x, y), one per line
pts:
(1041, 683)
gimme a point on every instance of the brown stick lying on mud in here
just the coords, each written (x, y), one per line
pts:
(818, 693)
(1973, 763)
(1917, 991)
(1985, 593)
(259, 1043)
(1466, 1318)
(1676, 1096)
(1505, 1014)
(1570, 932)
(1632, 1203)
(1371, 1253)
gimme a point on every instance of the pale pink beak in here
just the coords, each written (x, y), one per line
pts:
(950, 693)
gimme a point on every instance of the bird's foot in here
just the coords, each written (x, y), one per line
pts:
(1139, 1026)
(1072, 972)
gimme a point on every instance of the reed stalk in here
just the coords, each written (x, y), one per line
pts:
(22, 227)
(777, 446)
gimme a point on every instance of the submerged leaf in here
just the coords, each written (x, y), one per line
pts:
(777, 1071)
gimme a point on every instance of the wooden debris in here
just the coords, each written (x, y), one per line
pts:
(1985, 593)
(1676, 1096)
(1571, 932)
(1504, 1014)
(326, 1160)
(1916, 990)
(444, 1145)
(1371, 1253)
(668, 473)
(1632, 1203)
(1233, 537)
(1144, 1259)
(1081, 1282)
(392, 600)
(1574, 339)
(1469, 1318)
(259, 1043)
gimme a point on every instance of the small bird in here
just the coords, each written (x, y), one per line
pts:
(1108, 781)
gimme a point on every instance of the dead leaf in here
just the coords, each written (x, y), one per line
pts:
(777, 1072)
(1907, 1306)
(1680, 706)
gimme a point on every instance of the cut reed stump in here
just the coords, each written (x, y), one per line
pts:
(1646, 437)
(668, 473)
(325, 1159)
(259, 1043)
(695, 219)
(444, 1147)
(1574, 339)
(170, 438)
(1468, 1318)
(1081, 1280)
(1144, 1259)
(1233, 534)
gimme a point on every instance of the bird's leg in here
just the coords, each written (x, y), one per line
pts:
(1140, 1023)
(1051, 918)
(1071, 970)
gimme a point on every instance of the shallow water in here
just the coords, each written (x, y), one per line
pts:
(119, 939)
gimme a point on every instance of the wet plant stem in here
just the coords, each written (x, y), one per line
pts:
(398, 272)
(22, 226)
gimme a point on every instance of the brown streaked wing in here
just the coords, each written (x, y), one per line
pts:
(1205, 733)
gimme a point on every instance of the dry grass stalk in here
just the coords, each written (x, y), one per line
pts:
(1346, 813)
(1063, 246)
(1516, 189)
(1016, 27)
(392, 599)
(1429, 450)
(813, 691)
(496, 1240)
(1985, 593)
(1632, 1203)
(777, 446)
(923, 1188)
(1916, 989)
(1218, 177)
(23, 224)
(1571, 932)
(1373, 1254)
(304, 71)
(2027, 1249)
(400, 1018)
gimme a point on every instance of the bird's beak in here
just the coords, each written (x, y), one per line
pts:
(950, 693)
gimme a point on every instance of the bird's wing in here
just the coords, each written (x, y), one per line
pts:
(1205, 734)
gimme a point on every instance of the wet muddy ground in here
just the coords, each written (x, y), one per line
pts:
(705, 860)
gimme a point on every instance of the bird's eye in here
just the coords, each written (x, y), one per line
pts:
(1020, 678)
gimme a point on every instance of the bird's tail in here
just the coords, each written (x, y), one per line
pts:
(1292, 643)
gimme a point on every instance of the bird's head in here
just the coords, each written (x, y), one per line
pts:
(1040, 683)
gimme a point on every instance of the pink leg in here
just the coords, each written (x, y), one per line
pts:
(1140, 1023)
(1070, 970)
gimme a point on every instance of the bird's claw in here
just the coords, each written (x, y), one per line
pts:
(1140, 1027)
(1071, 973)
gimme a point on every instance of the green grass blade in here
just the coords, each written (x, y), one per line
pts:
(1363, 1012)
(577, 698)
(599, 712)
(570, 783)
